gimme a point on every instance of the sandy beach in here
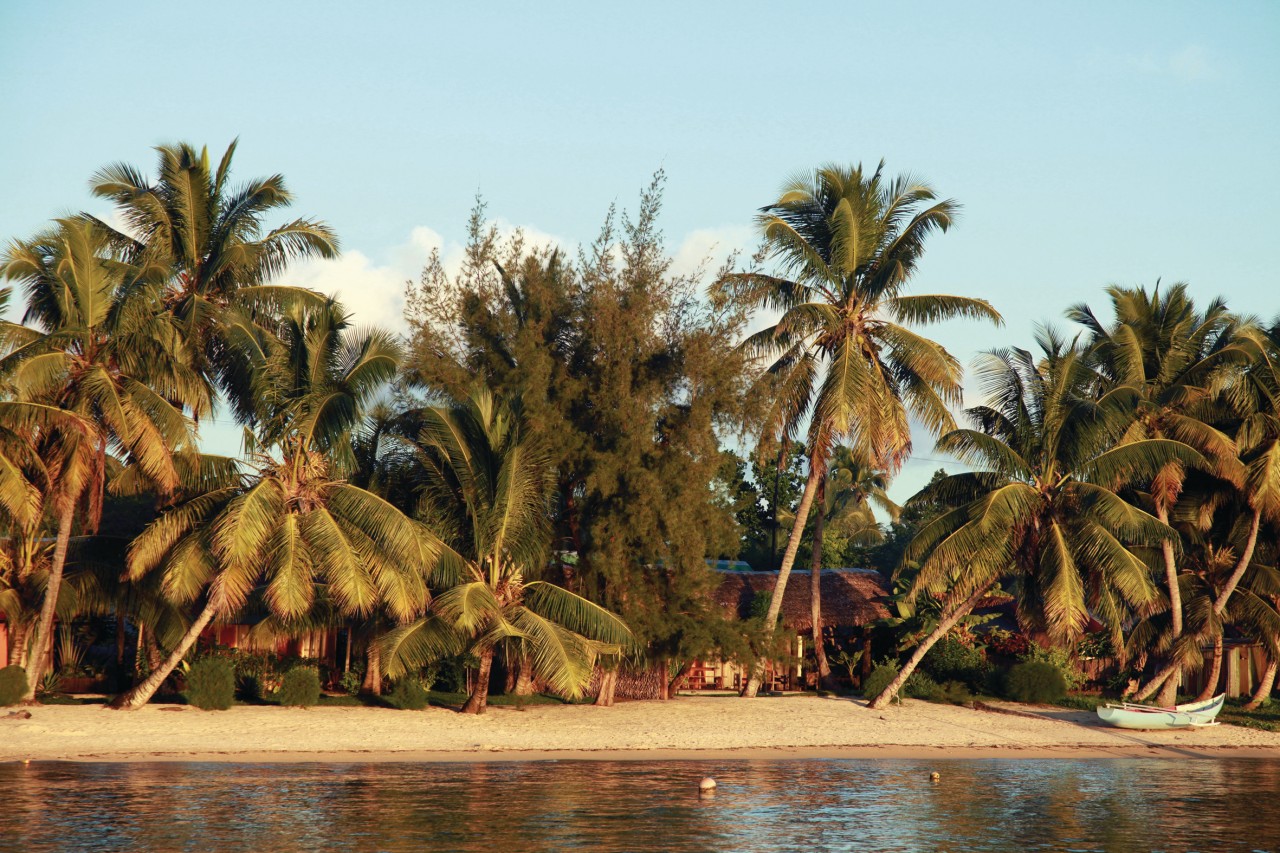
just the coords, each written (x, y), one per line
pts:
(710, 727)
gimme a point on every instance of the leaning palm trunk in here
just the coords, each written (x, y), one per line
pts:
(945, 625)
(43, 632)
(784, 572)
(524, 681)
(141, 694)
(1215, 672)
(815, 596)
(1263, 693)
(479, 698)
(1219, 605)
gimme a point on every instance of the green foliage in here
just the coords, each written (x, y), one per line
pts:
(952, 660)
(300, 687)
(351, 681)
(920, 686)
(1060, 659)
(13, 685)
(211, 684)
(1036, 682)
(879, 678)
(408, 695)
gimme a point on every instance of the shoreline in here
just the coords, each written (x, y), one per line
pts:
(800, 727)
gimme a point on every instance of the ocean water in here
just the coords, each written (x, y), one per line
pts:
(863, 805)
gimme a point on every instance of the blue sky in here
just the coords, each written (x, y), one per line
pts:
(1090, 143)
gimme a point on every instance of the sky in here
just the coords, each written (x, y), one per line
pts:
(1089, 143)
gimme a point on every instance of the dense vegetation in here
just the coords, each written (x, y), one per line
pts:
(531, 483)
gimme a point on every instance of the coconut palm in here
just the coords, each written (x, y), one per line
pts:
(1041, 512)
(293, 522)
(1161, 344)
(204, 238)
(842, 354)
(101, 349)
(486, 491)
(844, 502)
(1251, 400)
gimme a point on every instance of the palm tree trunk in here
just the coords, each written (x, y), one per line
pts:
(784, 572)
(43, 632)
(1169, 691)
(1246, 557)
(1215, 672)
(608, 686)
(1219, 605)
(674, 687)
(962, 609)
(524, 681)
(815, 592)
(1263, 693)
(19, 634)
(346, 655)
(479, 698)
(373, 668)
(140, 694)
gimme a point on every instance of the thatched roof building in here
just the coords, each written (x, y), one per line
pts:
(850, 597)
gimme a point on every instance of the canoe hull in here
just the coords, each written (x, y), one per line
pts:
(1146, 719)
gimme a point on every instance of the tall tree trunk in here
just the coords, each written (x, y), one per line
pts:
(1169, 691)
(608, 686)
(815, 591)
(1219, 605)
(962, 609)
(373, 668)
(346, 655)
(1263, 693)
(155, 657)
(120, 638)
(479, 698)
(784, 572)
(43, 632)
(1215, 672)
(140, 694)
(19, 636)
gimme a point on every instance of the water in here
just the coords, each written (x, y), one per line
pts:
(995, 805)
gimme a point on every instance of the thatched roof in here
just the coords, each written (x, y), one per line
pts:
(850, 597)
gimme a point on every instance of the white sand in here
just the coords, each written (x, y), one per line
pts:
(690, 727)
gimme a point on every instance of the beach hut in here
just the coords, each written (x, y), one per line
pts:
(852, 599)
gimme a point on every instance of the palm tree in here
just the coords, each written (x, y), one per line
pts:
(1161, 344)
(486, 492)
(205, 239)
(844, 499)
(1042, 511)
(842, 354)
(1251, 399)
(293, 522)
(102, 351)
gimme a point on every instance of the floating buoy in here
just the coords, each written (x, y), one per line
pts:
(707, 784)
(935, 776)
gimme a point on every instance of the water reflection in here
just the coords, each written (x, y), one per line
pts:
(614, 806)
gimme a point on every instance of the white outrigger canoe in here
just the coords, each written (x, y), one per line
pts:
(1127, 715)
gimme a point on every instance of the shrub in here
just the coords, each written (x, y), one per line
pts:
(408, 695)
(920, 686)
(879, 679)
(956, 692)
(300, 687)
(350, 682)
(1059, 659)
(211, 684)
(13, 685)
(1036, 682)
(952, 660)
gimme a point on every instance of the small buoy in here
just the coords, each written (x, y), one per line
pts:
(935, 776)
(707, 784)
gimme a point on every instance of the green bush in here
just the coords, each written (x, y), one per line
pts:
(879, 679)
(350, 682)
(920, 685)
(13, 685)
(952, 660)
(408, 695)
(1036, 682)
(1059, 659)
(211, 684)
(300, 687)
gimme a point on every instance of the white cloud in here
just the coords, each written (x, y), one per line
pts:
(374, 293)
(708, 248)
(1191, 63)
